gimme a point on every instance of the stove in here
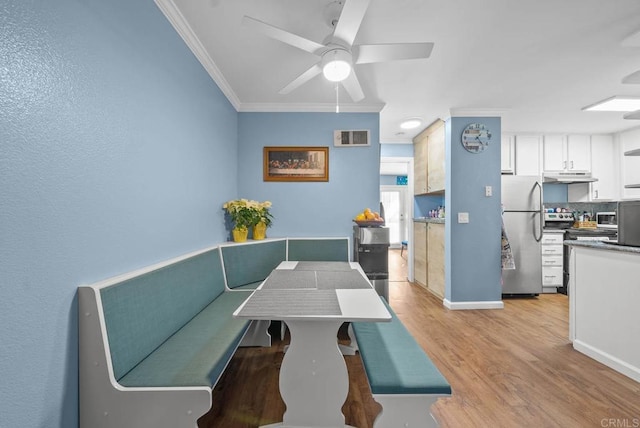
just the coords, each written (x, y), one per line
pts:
(555, 221)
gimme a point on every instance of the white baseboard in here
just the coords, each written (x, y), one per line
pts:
(473, 305)
(608, 360)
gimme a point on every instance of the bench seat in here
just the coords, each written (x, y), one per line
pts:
(402, 377)
(197, 354)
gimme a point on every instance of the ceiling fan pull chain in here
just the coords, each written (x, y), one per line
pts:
(337, 104)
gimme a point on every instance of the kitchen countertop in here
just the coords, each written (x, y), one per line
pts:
(602, 245)
(552, 230)
(429, 220)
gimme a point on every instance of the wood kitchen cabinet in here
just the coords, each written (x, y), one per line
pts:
(420, 165)
(567, 153)
(429, 159)
(428, 261)
(436, 158)
(435, 258)
(420, 253)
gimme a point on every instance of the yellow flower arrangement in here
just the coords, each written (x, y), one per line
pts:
(246, 213)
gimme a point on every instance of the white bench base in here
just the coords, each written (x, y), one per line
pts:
(404, 410)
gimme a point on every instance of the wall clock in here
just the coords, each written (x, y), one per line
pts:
(476, 137)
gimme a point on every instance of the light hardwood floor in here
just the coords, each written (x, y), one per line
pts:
(508, 368)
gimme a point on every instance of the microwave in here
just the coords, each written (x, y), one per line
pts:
(629, 223)
(607, 220)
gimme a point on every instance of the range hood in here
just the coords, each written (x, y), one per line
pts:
(568, 177)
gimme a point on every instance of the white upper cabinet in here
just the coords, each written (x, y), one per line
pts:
(528, 154)
(507, 154)
(603, 167)
(570, 153)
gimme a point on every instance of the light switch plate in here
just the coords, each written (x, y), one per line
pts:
(488, 191)
(463, 217)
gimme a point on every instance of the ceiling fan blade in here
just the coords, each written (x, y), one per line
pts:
(353, 88)
(350, 19)
(283, 36)
(392, 52)
(300, 80)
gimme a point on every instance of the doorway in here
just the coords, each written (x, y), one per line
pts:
(394, 201)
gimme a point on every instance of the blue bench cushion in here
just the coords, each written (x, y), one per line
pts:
(249, 264)
(329, 250)
(198, 353)
(142, 312)
(393, 360)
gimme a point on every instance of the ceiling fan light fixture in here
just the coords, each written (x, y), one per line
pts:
(336, 65)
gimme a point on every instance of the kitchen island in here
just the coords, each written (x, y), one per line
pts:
(604, 294)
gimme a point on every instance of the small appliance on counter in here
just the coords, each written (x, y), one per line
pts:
(607, 220)
(629, 223)
(371, 250)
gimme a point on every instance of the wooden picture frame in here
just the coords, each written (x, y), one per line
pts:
(288, 163)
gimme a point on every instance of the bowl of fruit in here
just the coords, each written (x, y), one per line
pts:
(368, 218)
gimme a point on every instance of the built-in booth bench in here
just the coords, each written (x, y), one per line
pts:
(402, 377)
(153, 343)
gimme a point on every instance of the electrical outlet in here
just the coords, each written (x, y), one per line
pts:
(463, 217)
(488, 191)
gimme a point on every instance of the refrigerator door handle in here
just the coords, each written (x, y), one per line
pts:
(538, 238)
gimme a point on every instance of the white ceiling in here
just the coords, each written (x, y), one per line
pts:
(536, 62)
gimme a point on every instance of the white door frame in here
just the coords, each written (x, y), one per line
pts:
(404, 215)
(409, 201)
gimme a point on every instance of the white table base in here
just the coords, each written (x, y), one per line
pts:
(314, 382)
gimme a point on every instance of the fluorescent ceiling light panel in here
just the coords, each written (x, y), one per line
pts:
(633, 78)
(616, 104)
(634, 115)
(632, 41)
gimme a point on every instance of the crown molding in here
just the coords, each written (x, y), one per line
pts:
(477, 112)
(311, 107)
(179, 23)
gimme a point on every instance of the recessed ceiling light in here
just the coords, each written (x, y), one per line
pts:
(617, 103)
(411, 123)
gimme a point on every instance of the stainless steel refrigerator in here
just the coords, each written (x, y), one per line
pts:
(523, 220)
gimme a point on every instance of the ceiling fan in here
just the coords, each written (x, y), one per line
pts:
(338, 54)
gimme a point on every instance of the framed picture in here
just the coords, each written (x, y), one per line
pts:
(296, 164)
(355, 138)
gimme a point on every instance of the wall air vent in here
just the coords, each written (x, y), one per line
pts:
(354, 138)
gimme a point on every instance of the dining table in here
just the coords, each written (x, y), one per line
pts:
(314, 299)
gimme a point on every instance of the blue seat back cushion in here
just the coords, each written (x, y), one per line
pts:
(252, 263)
(329, 250)
(394, 362)
(197, 354)
(142, 312)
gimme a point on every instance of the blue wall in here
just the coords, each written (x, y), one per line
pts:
(117, 150)
(472, 251)
(316, 208)
(555, 193)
